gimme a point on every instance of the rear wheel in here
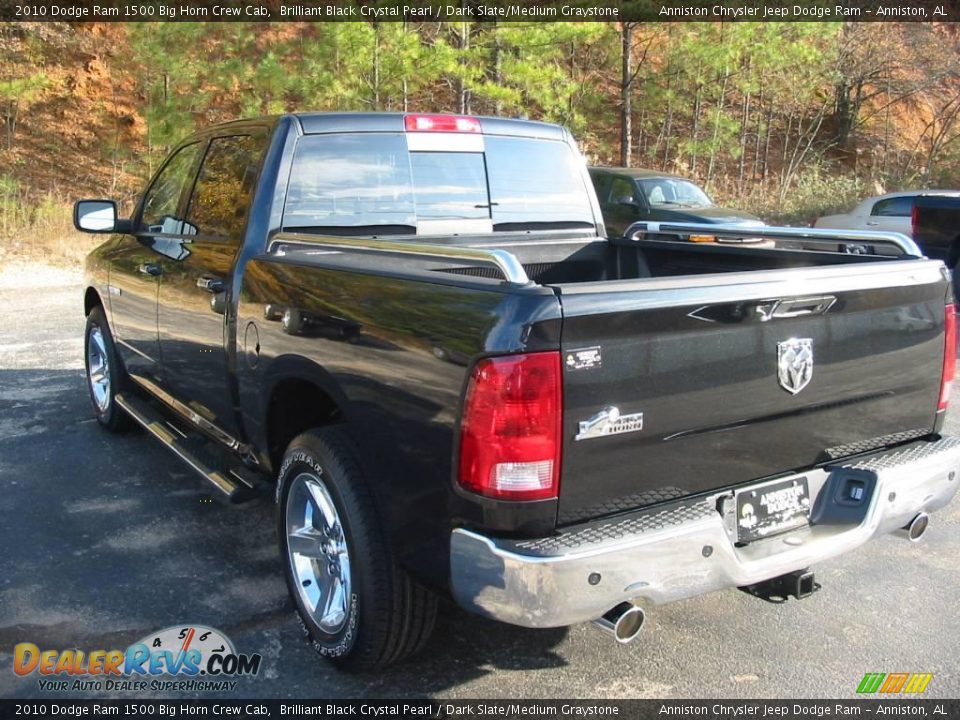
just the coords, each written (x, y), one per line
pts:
(105, 374)
(356, 605)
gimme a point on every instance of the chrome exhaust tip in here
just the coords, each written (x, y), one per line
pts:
(915, 529)
(624, 622)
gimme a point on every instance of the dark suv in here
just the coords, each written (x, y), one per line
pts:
(630, 194)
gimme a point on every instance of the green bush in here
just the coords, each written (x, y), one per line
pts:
(815, 192)
(13, 213)
(38, 229)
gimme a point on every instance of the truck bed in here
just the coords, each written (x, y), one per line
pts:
(690, 338)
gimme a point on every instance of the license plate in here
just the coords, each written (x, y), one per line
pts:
(772, 508)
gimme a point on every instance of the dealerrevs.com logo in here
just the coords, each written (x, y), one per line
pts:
(181, 657)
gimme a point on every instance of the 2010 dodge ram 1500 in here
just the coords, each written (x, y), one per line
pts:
(414, 332)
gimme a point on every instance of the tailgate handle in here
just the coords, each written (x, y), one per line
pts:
(795, 307)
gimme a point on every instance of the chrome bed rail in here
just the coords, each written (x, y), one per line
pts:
(505, 261)
(902, 243)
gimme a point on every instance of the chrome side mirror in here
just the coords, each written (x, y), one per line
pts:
(95, 216)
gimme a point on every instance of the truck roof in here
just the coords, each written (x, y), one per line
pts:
(338, 122)
(640, 173)
(332, 122)
(313, 123)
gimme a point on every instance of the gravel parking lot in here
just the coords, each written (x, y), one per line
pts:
(108, 538)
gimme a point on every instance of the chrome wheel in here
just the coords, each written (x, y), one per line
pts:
(317, 549)
(98, 369)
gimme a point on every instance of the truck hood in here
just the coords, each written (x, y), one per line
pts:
(709, 215)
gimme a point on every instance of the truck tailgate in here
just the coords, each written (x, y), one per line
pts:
(700, 358)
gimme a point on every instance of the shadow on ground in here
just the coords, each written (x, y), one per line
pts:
(110, 538)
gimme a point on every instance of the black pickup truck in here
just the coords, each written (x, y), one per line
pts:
(413, 332)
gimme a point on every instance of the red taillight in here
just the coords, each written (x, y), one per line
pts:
(510, 434)
(914, 213)
(949, 355)
(441, 123)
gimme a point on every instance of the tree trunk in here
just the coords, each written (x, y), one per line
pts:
(626, 72)
(841, 112)
(716, 126)
(668, 121)
(786, 146)
(756, 147)
(641, 135)
(497, 66)
(744, 122)
(376, 65)
(844, 114)
(463, 91)
(12, 118)
(696, 125)
(800, 151)
(406, 91)
(669, 127)
(886, 132)
(8, 124)
(766, 148)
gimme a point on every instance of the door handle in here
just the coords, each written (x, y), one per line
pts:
(871, 223)
(211, 285)
(153, 269)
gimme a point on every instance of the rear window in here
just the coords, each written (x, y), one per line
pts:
(450, 185)
(356, 184)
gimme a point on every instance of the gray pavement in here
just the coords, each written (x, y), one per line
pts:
(107, 538)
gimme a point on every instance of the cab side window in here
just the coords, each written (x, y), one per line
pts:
(224, 186)
(162, 203)
(621, 190)
(601, 185)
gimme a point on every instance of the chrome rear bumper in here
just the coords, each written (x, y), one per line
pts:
(687, 548)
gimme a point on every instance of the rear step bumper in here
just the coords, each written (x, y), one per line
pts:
(688, 548)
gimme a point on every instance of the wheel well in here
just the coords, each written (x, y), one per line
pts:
(295, 406)
(91, 299)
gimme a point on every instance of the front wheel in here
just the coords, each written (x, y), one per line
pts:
(357, 606)
(105, 374)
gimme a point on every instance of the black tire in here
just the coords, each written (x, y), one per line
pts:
(292, 321)
(105, 407)
(390, 616)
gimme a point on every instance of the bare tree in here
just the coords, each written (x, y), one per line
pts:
(626, 82)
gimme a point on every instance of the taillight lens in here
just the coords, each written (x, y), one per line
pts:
(949, 355)
(441, 123)
(914, 212)
(510, 434)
